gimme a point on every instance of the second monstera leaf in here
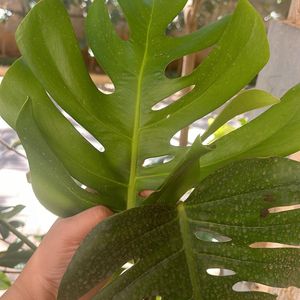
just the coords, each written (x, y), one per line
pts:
(204, 248)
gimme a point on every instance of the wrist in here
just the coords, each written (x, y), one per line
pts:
(17, 291)
(28, 288)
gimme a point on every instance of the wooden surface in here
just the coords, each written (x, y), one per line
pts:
(294, 13)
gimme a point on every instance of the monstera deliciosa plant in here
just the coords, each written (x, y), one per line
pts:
(201, 248)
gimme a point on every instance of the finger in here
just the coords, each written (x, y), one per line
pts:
(75, 228)
(65, 236)
(50, 261)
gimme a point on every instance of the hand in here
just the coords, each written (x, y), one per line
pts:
(42, 275)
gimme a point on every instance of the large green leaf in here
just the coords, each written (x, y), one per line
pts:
(51, 73)
(176, 248)
(53, 185)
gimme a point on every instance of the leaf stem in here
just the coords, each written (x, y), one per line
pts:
(131, 195)
(18, 234)
(188, 248)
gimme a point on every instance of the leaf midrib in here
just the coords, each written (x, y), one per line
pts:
(188, 250)
(131, 194)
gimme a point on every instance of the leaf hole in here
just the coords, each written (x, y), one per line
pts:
(128, 265)
(174, 69)
(248, 286)
(153, 161)
(176, 26)
(84, 187)
(173, 98)
(107, 88)
(282, 293)
(195, 130)
(220, 272)
(211, 236)
(118, 19)
(82, 131)
(279, 209)
(100, 78)
(271, 245)
(186, 195)
(180, 67)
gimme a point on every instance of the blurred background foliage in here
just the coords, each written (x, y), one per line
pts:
(13, 11)
(15, 247)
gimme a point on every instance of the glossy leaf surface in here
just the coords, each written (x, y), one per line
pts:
(51, 73)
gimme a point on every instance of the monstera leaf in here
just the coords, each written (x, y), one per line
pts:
(50, 82)
(202, 248)
(199, 249)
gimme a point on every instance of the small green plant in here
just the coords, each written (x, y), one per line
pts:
(18, 249)
(202, 248)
